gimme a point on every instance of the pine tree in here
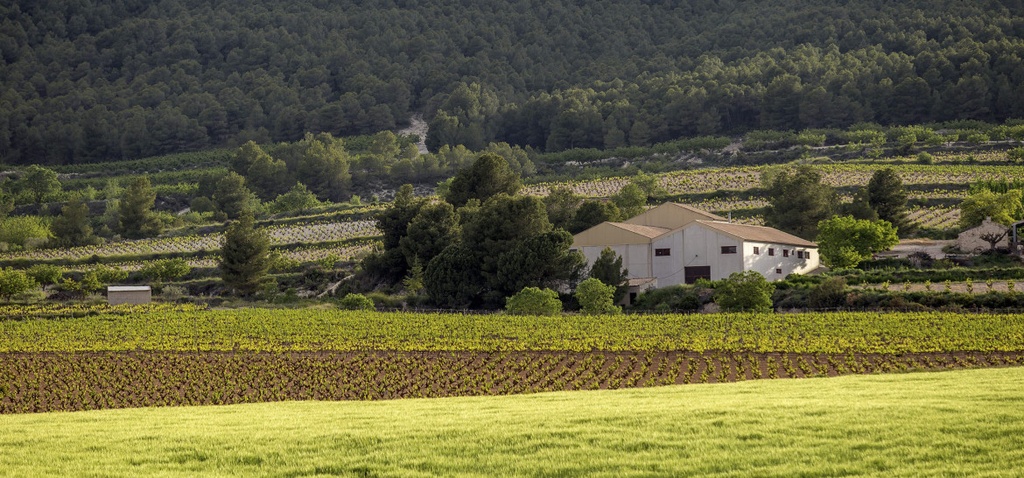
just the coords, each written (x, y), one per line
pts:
(72, 227)
(136, 210)
(244, 256)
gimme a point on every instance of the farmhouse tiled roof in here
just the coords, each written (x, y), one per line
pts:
(646, 231)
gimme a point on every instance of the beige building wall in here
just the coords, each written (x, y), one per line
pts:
(130, 297)
(970, 240)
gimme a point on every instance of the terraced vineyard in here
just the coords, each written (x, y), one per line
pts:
(936, 188)
(306, 233)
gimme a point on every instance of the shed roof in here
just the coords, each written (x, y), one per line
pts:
(749, 232)
(128, 288)
(646, 231)
(617, 233)
(671, 215)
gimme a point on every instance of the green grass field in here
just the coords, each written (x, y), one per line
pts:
(960, 423)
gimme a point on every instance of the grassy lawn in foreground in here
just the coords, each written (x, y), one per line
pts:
(955, 423)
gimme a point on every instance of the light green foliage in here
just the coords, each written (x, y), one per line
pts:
(164, 270)
(534, 301)
(254, 329)
(46, 274)
(41, 183)
(267, 176)
(321, 162)
(631, 200)
(356, 302)
(1016, 154)
(1003, 208)
(15, 282)
(746, 291)
(24, 232)
(244, 257)
(596, 298)
(413, 282)
(299, 199)
(845, 241)
(108, 275)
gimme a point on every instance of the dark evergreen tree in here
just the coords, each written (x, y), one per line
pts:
(798, 200)
(489, 175)
(232, 197)
(608, 269)
(72, 227)
(244, 256)
(888, 198)
(136, 215)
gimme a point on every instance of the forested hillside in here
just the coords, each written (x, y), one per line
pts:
(91, 80)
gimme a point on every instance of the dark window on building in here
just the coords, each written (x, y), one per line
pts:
(807, 255)
(691, 274)
(728, 249)
(771, 251)
(757, 250)
(799, 254)
(785, 253)
(663, 252)
(778, 271)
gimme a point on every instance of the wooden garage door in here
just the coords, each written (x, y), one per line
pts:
(691, 274)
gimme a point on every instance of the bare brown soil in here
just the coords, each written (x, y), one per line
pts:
(41, 382)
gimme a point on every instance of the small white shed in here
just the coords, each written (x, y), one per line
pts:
(129, 294)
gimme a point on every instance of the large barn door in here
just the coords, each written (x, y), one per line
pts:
(691, 274)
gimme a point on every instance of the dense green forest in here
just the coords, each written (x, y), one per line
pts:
(92, 80)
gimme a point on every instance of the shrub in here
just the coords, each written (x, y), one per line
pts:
(534, 301)
(745, 291)
(15, 282)
(356, 302)
(1015, 154)
(829, 294)
(595, 298)
(672, 298)
(164, 270)
(46, 274)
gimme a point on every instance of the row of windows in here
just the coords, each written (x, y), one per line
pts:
(732, 250)
(771, 252)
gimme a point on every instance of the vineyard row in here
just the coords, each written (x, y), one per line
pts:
(47, 382)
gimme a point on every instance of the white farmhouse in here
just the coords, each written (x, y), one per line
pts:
(677, 244)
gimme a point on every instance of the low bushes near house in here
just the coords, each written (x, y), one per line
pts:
(534, 301)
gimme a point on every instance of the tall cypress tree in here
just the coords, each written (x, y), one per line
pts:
(244, 255)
